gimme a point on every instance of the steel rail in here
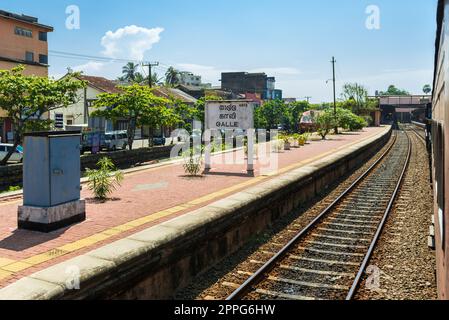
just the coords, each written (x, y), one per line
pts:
(368, 255)
(419, 136)
(267, 267)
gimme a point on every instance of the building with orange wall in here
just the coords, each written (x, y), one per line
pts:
(23, 40)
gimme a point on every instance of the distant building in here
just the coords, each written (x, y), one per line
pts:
(289, 100)
(23, 41)
(189, 79)
(257, 83)
(402, 108)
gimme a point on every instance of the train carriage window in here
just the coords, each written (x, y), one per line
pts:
(439, 158)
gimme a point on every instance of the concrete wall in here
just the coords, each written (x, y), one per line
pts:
(12, 175)
(156, 262)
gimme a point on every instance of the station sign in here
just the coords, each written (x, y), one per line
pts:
(229, 114)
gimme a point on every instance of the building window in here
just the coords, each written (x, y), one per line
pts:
(69, 122)
(42, 36)
(29, 56)
(23, 32)
(43, 59)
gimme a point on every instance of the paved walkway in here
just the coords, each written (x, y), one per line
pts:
(146, 198)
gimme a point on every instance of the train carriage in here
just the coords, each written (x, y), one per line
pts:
(440, 148)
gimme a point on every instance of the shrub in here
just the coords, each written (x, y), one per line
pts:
(104, 181)
(326, 122)
(193, 162)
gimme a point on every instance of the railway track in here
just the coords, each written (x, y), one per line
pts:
(326, 259)
(419, 132)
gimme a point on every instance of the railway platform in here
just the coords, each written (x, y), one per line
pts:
(37, 265)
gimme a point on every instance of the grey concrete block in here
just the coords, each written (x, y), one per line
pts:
(244, 198)
(31, 289)
(82, 269)
(226, 204)
(120, 251)
(156, 236)
(52, 214)
(195, 220)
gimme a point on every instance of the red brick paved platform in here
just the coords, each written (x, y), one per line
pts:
(146, 198)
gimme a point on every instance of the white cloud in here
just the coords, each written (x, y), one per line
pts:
(130, 42)
(91, 67)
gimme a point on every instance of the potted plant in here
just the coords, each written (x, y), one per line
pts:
(301, 140)
(287, 144)
(306, 137)
(295, 139)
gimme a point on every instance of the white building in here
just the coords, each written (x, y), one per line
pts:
(80, 112)
(189, 79)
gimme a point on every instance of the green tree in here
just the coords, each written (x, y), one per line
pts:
(133, 104)
(393, 91)
(130, 72)
(326, 122)
(28, 99)
(297, 109)
(271, 114)
(199, 107)
(171, 76)
(427, 89)
(156, 114)
(356, 92)
(184, 114)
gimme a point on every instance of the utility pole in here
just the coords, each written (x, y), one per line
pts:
(335, 97)
(150, 65)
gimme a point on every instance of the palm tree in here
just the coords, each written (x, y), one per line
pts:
(427, 89)
(155, 79)
(129, 71)
(171, 76)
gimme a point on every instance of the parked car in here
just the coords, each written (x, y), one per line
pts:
(17, 156)
(87, 141)
(159, 141)
(116, 140)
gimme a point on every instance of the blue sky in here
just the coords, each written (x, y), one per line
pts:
(293, 40)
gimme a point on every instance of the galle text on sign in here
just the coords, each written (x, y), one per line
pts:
(229, 114)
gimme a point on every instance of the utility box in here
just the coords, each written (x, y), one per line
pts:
(51, 181)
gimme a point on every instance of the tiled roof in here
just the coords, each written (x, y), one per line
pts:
(166, 92)
(101, 84)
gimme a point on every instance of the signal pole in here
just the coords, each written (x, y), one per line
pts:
(335, 97)
(150, 78)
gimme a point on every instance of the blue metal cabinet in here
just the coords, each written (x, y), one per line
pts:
(51, 175)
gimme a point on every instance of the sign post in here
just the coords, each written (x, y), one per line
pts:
(230, 115)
